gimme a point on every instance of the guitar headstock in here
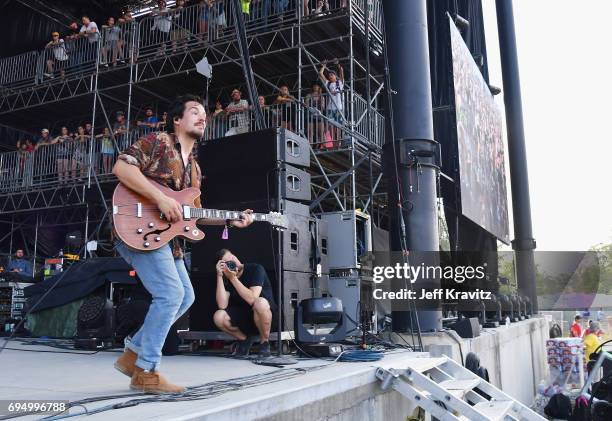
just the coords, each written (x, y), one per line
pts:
(278, 220)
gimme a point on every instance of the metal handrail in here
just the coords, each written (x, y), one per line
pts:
(158, 33)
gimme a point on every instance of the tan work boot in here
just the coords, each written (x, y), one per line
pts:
(127, 362)
(152, 382)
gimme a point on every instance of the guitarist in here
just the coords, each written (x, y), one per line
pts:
(167, 158)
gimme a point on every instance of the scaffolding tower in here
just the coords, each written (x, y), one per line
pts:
(287, 45)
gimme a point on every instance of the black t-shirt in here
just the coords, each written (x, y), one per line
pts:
(254, 275)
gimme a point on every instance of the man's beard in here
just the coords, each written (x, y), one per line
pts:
(195, 134)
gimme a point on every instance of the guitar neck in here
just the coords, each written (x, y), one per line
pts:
(225, 214)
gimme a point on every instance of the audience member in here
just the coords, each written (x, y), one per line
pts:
(149, 123)
(43, 140)
(81, 152)
(237, 112)
(90, 30)
(180, 22)
(57, 57)
(245, 5)
(112, 35)
(88, 129)
(107, 150)
(19, 264)
(63, 152)
(120, 130)
(316, 127)
(286, 109)
(163, 122)
(162, 23)
(335, 87)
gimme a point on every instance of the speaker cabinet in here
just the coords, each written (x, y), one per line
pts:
(258, 243)
(258, 149)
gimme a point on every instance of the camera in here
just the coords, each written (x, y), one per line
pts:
(231, 265)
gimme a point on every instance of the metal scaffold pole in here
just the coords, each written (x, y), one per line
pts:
(409, 155)
(523, 243)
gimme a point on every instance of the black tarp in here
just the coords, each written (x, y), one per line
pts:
(79, 281)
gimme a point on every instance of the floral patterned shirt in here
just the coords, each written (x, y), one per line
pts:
(158, 155)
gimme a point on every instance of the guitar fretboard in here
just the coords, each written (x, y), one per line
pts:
(225, 214)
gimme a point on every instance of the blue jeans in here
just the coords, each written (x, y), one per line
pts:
(168, 282)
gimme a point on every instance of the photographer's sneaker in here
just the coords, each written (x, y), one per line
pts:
(243, 347)
(264, 350)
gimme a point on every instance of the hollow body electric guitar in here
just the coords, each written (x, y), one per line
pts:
(141, 226)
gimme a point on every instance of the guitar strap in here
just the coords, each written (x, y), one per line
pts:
(194, 174)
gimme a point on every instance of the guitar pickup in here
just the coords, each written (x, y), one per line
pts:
(186, 212)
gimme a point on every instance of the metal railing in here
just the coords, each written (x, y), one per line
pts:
(164, 32)
(68, 161)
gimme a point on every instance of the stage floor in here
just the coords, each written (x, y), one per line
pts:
(67, 376)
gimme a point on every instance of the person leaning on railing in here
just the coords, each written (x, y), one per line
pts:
(112, 34)
(57, 56)
(90, 31)
(286, 109)
(237, 112)
(62, 155)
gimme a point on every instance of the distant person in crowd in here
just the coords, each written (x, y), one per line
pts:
(245, 5)
(25, 148)
(180, 24)
(81, 152)
(322, 6)
(334, 83)
(75, 53)
(112, 35)
(106, 149)
(120, 130)
(286, 109)
(316, 101)
(57, 56)
(266, 111)
(601, 316)
(25, 145)
(63, 152)
(19, 264)
(124, 22)
(576, 327)
(218, 122)
(162, 23)
(43, 140)
(88, 128)
(206, 14)
(306, 7)
(592, 340)
(237, 114)
(91, 32)
(149, 123)
(246, 302)
(163, 122)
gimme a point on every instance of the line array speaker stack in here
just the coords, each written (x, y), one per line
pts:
(264, 171)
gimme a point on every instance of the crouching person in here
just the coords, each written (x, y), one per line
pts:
(245, 301)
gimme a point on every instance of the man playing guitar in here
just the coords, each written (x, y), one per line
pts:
(168, 159)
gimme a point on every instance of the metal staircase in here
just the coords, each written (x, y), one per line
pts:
(449, 391)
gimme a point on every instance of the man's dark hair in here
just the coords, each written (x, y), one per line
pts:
(177, 108)
(578, 317)
(220, 254)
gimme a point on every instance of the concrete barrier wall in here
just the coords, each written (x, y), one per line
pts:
(515, 356)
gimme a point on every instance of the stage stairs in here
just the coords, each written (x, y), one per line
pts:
(448, 391)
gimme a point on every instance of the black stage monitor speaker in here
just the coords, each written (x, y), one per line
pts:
(259, 149)
(234, 184)
(467, 328)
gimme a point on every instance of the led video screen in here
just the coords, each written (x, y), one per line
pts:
(480, 144)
